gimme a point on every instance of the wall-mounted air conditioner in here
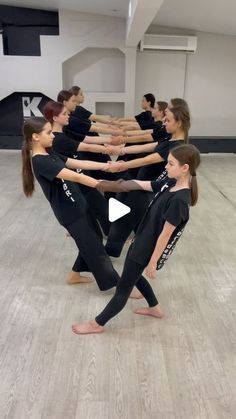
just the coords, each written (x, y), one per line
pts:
(169, 43)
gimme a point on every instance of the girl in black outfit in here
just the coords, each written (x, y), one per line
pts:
(81, 125)
(150, 167)
(147, 104)
(153, 131)
(66, 200)
(158, 232)
(58, 116)
(81, 112)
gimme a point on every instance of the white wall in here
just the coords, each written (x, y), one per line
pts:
(77, 32)
(211, 85)
(97, 70)
(160, 73)
(205, 79)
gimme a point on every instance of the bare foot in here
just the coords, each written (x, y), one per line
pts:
(87, 328)
(76, 278)
(136, 294)
(150, 311)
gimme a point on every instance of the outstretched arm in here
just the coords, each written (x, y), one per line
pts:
(124, 185)
(105, 130)
(85, 164)
(101, 118)
(143, 161)
(68, 174)
(133, 149)
(123, 139)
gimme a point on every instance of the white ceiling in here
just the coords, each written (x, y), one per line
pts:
(217, 16)
(117, 8)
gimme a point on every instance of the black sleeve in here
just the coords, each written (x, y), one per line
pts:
(81, 126)
(65, 146)
(147, 124)
(159, 134)
(177, 212)
(48, 166)
(81, 113)
(139, 117)
(163, 149)
(74, 135)
(156, 185)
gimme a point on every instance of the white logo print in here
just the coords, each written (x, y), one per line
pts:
(31, 107)
(67, 191)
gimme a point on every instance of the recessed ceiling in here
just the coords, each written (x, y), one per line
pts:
(218, 16)
(118, 8)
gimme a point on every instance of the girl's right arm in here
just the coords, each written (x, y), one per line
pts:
(124, 185)
(133, 149)
(68, 174)
(96, 140)
(132, 139)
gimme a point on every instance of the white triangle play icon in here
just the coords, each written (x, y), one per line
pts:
(117, 210)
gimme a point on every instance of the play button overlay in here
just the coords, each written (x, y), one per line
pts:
(117, 210)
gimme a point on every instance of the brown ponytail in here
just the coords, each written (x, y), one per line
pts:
(189, 154)
(194, 190)
(182, 114)
(31, 126)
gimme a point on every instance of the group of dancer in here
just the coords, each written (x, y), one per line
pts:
(69, 152)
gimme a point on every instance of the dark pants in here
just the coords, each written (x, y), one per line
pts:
(98, 207)
(92, 255)
(120, 230)
(138, 201)
(131, 276)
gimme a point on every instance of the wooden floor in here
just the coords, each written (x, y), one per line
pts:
(182, 367)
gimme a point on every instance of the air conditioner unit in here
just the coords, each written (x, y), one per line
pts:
(169, 43)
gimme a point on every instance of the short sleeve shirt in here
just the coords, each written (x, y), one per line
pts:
(172, 207)
(160, 134)
(79, 125)
(81, 112)
(63, 144)
(65, 198)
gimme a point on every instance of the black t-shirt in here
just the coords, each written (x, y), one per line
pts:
(65, 198)
(63, 144)
(164, 147)
(159, 134)
(81, 112)
(74, 135)
(79, 125)
(156, 170)
(151, 124)
(172, 207)
(144, 117)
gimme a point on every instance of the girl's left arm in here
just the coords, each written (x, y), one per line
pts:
(85, 164)
(161, 244)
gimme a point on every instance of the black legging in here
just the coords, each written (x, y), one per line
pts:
(92, 255)
(131, 276)
(98, 207)
(120, 230)
(138, 202)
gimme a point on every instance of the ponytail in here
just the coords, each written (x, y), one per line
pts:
(194, 190)
(189, 154)
(31, 126)
(27, 172)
